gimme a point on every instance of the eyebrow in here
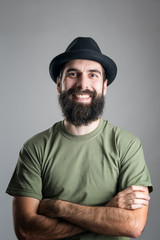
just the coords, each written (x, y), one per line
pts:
(72, 69)
(95, 70)
(77, 70)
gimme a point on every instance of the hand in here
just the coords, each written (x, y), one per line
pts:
(133, 197)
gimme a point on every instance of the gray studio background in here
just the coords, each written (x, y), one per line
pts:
(32, 32)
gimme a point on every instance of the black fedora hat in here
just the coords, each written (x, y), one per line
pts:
(83, 48)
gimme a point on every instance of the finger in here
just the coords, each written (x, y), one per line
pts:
(128, 203)
(137, 202)
(134, 198)
(136, 195)
(133, 188)
(134, 206)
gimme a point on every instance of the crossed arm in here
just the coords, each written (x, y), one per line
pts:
(124, 215)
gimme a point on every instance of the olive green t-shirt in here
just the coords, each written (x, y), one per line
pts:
(84, 169)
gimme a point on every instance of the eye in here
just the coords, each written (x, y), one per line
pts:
(94, 75)
(72, 74)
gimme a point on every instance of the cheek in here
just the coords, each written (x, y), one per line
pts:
(98, 87)
(67, 84)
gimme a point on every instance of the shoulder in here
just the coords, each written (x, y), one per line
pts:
(118, 132)
(121, 133)
(40, 140)
(122, 138)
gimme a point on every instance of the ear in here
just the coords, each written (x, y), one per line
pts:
(58, 85)
(105, 87)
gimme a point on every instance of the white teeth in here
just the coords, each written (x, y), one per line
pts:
(82, 96)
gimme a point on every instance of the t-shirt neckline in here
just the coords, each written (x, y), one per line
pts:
(87, 136)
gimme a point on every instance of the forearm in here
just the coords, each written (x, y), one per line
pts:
(29, 225)
(102, 220)
(41, 227)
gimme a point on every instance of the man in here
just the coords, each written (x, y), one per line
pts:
(83, 178)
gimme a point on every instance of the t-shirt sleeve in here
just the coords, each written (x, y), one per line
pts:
(133, 168)
(26, 179)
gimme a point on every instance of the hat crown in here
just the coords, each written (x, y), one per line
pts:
(82, 43)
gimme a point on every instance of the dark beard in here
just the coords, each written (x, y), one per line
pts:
(78, 113)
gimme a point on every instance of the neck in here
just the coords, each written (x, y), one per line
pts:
(81, 130)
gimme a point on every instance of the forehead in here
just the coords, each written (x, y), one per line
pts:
(81, 65)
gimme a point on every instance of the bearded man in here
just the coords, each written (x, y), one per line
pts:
(83, 178)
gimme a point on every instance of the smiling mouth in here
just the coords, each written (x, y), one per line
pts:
(83, 96)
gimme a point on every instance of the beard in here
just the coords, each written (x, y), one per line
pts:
(78, 113)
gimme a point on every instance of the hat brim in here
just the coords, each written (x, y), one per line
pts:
(58, 62)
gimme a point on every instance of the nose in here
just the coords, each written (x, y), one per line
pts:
(83, 82)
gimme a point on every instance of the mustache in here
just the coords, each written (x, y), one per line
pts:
(73, 91)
